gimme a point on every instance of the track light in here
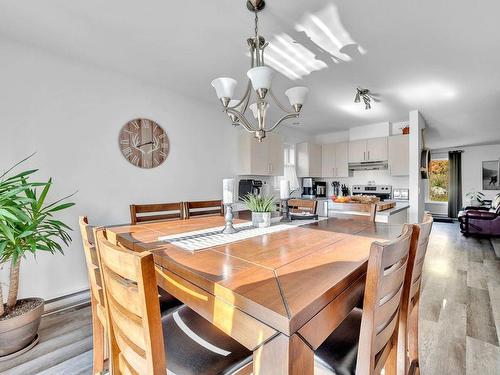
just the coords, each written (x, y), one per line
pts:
(365, 94)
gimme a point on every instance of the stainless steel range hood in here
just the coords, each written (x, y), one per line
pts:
(368, 165)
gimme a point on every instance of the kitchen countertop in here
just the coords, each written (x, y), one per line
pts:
(400, 206)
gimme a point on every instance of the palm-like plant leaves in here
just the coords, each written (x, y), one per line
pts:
(257, 203)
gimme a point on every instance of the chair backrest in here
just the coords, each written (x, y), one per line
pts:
(135, 330)
(408, 322)
(140, 213)
(203, 208)
(91, 258)
(303, 205)
(343, 210)
(423, 231)
(383, 292)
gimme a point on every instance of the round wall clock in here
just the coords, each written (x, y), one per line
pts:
(144, 143)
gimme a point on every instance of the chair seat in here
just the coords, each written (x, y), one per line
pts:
(338, 353)
(193, 346)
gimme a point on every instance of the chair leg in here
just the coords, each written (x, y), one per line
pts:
(98, 339)
(413, 335)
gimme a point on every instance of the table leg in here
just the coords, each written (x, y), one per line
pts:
(284, 355)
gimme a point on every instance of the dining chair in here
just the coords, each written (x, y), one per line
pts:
(97, 300)
(145, 343)
(366, 341)
(343, 210)
(140, 213)
(302, 205)
(408, 359)
(203, 208)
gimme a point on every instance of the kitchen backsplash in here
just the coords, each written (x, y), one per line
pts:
(381, 177)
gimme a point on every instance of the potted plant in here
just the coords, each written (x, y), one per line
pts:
(476, 198)
(27, 225)
(261, 207)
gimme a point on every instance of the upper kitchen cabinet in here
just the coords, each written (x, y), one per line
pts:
(260, 158)
(376, 149)
(357, 151)
(399, 155)
(309, 160)
(341, 159)
(334, 160)
(373, 149)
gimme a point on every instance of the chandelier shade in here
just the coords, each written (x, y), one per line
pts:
(297, 95)
(260, 79)
(224, 87)
(255, 109)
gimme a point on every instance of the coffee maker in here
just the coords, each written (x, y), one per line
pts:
(308, 191)
(249, 187)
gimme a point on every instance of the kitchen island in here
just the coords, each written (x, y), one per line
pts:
(395, 215)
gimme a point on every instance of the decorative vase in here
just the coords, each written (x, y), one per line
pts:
(261, 219)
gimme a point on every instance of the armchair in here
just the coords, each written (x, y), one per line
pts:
(481, 220)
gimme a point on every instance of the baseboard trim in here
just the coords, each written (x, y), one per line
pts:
(69, 301)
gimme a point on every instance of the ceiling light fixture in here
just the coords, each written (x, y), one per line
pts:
(260, 77)
(365, 95)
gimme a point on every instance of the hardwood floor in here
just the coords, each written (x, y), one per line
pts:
(460, 306)
(459, 326)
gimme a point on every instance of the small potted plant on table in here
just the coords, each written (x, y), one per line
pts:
(261, 207)
(27, 225)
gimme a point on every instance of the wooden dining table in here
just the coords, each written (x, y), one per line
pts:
(280, 295)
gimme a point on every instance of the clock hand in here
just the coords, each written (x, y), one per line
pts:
(144, 144)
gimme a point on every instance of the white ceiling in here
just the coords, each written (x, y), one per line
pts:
(439, 56)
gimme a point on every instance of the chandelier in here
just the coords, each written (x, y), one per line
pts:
(259, 82)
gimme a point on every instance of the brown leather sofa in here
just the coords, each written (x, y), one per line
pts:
(481, 220)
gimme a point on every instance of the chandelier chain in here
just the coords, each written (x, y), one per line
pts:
(256, 23)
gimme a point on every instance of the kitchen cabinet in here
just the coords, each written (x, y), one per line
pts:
(357, 151)
(373, 149)
(328, 160)
(334, 160)
(260, 159)
(309, 160)
(399, 160)
(376, 149)
(341, 159)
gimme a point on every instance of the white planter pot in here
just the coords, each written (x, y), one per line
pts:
(261, 219)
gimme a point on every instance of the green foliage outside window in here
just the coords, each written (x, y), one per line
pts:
(438, 180)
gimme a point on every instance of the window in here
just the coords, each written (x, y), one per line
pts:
(289, 157)
(438, 180)
(290, 173)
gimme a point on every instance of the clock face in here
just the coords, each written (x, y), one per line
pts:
(144, 143)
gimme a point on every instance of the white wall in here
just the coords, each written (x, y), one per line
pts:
(472, 159)
(71, 115)
(417, 188)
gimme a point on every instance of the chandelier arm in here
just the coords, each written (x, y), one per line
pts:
(283, 108)
(241, 119)
(245, 98)
(285, 117)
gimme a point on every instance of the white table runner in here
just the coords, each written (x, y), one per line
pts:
(205, 238)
